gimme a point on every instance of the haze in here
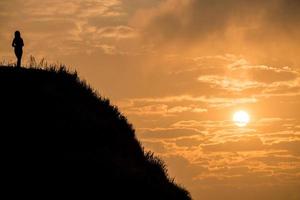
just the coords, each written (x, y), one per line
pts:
(179, 69)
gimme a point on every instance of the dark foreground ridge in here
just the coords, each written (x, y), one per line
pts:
(60, 140)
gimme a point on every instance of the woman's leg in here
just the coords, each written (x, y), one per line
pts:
(19, 54)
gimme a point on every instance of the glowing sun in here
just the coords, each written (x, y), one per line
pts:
(241, 118)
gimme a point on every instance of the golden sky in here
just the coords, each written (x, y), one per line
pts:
(179, 69)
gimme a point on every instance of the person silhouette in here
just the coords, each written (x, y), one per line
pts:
(18, 45)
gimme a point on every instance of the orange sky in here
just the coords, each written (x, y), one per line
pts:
(179, 69)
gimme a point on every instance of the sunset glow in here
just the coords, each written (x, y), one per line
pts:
(210, 86)
(241, 118)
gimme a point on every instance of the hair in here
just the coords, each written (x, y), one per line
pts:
(17, 34)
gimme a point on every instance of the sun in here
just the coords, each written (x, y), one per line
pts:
(241, 118)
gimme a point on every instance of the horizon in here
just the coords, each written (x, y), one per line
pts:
(212, 87)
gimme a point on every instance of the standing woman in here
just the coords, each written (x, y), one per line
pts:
(18, 45)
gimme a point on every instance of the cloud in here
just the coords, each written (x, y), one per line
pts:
(182, 166)
(204, 124)
(189, 142)
(108, 49)
(213, 101)
(241, 63)
(75, 8)
(157, 147)
(118, 32)
(167, 133)
(229, 83)
(211, 26)
(243, 170)
(162, 110)
(263, 73)
(200, 18)
(291, 146)
(234, 84)
(247, 144)
(65, 24)
(240, 75)
(55, 25)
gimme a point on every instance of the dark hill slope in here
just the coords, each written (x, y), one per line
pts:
(59, 139)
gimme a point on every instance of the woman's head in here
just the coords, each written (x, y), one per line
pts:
(17, 34)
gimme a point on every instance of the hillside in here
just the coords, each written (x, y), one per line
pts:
(60, 139)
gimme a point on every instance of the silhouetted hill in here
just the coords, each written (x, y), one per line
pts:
(60, 140)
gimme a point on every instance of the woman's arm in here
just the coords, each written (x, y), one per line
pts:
(13, 43)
